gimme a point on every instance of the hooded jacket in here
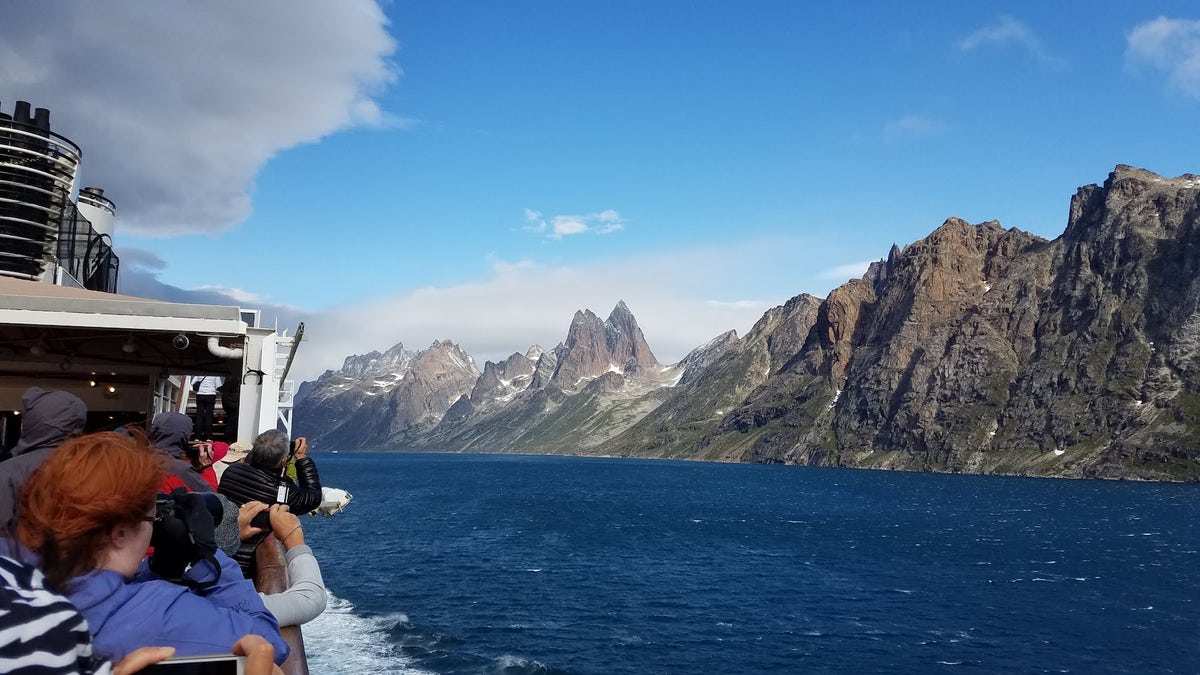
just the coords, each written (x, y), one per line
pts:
(147, 611)
(169, 433)
(50, 417)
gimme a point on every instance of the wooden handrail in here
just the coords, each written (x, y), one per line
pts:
(272, 577)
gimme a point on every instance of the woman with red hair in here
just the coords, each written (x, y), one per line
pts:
(88, 514)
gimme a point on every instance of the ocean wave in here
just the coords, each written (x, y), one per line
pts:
(342, 642)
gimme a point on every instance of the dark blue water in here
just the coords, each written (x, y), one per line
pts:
(514, 564)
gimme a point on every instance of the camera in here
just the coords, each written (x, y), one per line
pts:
(184, 533)
(262, 519)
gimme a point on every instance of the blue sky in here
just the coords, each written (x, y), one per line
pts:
(410, 171)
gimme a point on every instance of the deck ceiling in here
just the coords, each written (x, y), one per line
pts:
(59, 331)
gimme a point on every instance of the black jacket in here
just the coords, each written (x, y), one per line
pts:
(243, 483)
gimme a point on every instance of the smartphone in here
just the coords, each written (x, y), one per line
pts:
(208, 664)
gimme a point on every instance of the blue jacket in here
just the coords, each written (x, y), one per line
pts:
(147, 611)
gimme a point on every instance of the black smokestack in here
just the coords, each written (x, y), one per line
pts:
(41, 119)
(21, 113)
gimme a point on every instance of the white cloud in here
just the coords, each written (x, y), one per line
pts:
(682, 298)
(1005, 31)
(567, 225)
(242, 297)
(534, 222)
(1172, 46)
(177, 105)
(847, 271)
(911, 126)
(557, 227)
(523, 303)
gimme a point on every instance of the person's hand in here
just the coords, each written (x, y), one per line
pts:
(146, 656)
(260, 655)
(245, 514)
(286, 526)
(199, 455)
(301, 447)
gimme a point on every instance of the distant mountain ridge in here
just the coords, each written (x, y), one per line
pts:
(975, 349)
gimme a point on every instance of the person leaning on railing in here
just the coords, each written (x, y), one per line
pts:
(305, 597)
(262, 477)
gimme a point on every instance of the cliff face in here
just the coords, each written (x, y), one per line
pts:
(717, 378)
(975, 349)
(992, 350)
(376, 399)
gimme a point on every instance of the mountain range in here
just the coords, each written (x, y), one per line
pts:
(977, 349)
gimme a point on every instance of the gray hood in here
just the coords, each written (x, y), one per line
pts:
(50, 418)
(171, 431)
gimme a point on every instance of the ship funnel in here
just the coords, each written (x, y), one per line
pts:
(39, 170)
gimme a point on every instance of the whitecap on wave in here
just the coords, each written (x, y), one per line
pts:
(342, 642)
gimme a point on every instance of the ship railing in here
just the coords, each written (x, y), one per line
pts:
(273, 578)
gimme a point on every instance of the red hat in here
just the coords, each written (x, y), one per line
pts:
(220, 449)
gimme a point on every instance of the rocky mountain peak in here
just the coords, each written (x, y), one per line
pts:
(375, 363)
(1133, 200)
(443, 356)
(626, 344)
(595, 347)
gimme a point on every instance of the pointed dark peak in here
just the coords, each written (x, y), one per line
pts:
(583, 322)
(517, 365)
(624, 340)
(892, 257)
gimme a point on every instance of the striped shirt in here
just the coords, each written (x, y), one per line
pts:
(41, 632)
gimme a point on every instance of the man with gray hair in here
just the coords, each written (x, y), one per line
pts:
(262, 477)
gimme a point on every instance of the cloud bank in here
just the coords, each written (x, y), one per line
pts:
(1171, 46)
(516, 304)
(178, 104)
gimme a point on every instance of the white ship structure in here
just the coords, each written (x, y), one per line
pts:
(63, 326)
